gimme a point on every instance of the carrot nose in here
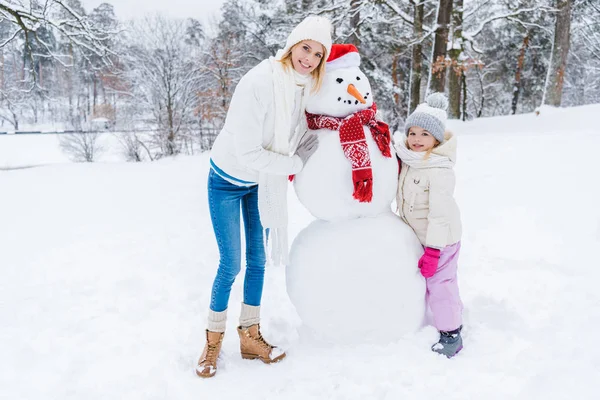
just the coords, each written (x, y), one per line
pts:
(355, 93)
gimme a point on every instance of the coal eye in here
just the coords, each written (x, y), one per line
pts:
(358, 78)
(339, 80)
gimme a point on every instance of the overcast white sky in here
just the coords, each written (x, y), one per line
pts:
(125, 9)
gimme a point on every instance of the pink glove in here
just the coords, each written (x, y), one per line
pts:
(429, 262)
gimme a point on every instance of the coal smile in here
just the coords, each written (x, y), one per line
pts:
(349, 102)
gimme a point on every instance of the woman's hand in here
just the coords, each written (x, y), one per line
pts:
(307, 147)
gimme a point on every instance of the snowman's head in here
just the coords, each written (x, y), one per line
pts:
(345, 89)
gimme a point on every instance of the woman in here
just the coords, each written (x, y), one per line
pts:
(250, 163)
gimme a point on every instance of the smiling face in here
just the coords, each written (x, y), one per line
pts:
(306, 56)
(344, 92)
(420, 140)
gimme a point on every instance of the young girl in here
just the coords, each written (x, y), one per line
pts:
(426, 203)
(251, 160)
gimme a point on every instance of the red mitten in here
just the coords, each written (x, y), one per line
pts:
(429, 262)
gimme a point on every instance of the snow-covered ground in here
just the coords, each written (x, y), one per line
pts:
(19, 151)
(107, 268)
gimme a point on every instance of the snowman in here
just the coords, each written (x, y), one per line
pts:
(353, 273)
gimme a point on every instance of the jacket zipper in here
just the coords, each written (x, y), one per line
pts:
(403, 197)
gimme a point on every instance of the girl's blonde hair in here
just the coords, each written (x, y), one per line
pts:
(317, 73)
(447, 136)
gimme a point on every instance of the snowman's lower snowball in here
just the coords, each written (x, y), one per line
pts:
(356, 281)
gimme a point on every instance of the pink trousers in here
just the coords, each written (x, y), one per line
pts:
(442, 291)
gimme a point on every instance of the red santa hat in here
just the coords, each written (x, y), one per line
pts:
(343, 56)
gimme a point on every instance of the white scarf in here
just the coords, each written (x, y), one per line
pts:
(272, 189)
(416, 159)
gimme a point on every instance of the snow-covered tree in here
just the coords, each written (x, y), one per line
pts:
(38, 22)
(582, 77)
(82, 147)
(437, 76)
(164, 75)
(560, 54)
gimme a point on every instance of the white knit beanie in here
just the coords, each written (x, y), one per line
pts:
(311, 28)
(430, 116)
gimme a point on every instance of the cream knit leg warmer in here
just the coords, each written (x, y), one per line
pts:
(249, 316)
(217, 321)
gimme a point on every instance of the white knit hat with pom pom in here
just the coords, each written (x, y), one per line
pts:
(311, 28)
(430, 116)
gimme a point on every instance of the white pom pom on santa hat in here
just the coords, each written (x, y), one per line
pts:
(343, 56)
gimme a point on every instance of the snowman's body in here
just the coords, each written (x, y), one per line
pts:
(322, 190)
(353, 274)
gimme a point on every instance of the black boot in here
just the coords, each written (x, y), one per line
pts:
(450, 343)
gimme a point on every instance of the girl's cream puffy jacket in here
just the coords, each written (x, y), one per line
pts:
(425, 194)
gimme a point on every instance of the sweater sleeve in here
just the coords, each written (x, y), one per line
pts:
(441, 201)
(246, 119)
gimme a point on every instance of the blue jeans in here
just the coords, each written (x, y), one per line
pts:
(225, 201)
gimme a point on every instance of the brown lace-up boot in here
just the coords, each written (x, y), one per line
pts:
(253, 346)
(207, 364)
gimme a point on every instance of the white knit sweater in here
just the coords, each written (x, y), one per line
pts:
(240, 149)
(263, 127)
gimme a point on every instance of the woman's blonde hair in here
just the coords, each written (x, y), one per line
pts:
(317, 73)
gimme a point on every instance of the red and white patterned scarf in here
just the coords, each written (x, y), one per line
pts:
(354, 144)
